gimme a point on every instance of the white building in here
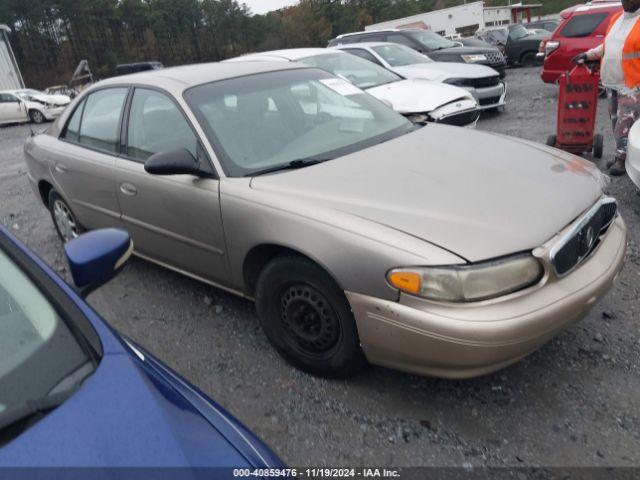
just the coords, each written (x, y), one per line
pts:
(10, 77)
(462, 19)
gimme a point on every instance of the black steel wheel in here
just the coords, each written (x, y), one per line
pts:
(307, 318)
(310, 323)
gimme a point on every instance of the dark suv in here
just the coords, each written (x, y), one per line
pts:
(519, 45)
(431, 44)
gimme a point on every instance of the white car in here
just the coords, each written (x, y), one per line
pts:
(482, 81)
(633, 154)
(30, 105)
(419, 100)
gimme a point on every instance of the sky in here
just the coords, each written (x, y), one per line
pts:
(264, 6)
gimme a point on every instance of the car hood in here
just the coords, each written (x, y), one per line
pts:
(465, 50)
(439, 71)
(124, 415)
(538, 36)
(418, 95)
(52, 99)
(476, 194)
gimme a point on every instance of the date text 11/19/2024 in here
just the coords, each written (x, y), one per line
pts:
(317, 473)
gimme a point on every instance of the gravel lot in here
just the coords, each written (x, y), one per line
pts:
(574, 402)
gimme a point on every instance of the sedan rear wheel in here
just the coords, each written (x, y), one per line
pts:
(64, 219)
(307, 318)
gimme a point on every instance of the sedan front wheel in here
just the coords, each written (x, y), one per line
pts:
(36, 116)
(307, 318)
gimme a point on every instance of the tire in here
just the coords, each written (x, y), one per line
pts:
(59, 209)
(598, 146)
(602, 91)
(36, 116)
(551, 140)
(528, 59)
(307, 318)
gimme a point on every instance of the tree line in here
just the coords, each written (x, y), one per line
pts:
(50, 37)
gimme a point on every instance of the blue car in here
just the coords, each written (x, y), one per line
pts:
(75, 393)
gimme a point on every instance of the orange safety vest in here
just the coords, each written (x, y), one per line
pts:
(630, 53)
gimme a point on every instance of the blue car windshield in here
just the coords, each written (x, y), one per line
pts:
(38, 353)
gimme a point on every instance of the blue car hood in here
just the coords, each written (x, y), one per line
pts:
(127, 414)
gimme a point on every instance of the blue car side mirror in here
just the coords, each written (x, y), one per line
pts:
(96, 257)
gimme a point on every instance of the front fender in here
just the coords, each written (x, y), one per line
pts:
(356, 252)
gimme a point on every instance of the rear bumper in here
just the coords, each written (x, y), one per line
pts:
(468, 340)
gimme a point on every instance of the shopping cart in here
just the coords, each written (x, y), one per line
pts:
(577, 106)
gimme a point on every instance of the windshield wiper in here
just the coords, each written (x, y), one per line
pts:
(292, 165)
(33, 407)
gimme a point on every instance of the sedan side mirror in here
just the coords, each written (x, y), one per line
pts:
(174, 162)
(96, 257)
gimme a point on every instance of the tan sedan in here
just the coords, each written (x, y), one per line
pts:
(434, 249)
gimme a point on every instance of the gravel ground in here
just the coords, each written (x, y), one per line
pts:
(574, 402)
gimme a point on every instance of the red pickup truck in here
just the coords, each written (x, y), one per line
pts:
(582, 27)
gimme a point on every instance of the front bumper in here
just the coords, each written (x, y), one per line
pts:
(632, 163)
(491, 97)
(53, 112)
(468, 340)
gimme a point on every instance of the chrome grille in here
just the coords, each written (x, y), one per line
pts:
(494, 57)
(582, 239)
(461, 119)
(484, 82)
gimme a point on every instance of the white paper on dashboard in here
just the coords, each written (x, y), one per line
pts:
(341, 86)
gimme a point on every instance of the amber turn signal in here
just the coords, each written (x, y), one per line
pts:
(409, 282)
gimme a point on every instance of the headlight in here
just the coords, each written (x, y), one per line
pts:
(473, 58)
(418, 118)
(551, 46)
(459, 82)
(468, 283)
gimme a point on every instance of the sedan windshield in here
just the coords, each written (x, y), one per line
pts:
(38, 353)
(399, 55)
(289, 118)
(362, 73)
(431, 40)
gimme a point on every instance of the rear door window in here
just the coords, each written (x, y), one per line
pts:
(100, 125)
(582, 25)
(73, 127)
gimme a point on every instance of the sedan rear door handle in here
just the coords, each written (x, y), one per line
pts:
(61, 168)
(128, 189)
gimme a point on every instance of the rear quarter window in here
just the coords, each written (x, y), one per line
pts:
(582, 25)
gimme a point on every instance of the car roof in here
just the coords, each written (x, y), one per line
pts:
(290, 54)
(382, 30)
(367, 44)
(178, 79)
(590, 7)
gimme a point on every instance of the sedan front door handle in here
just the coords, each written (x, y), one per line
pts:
(128, 189)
